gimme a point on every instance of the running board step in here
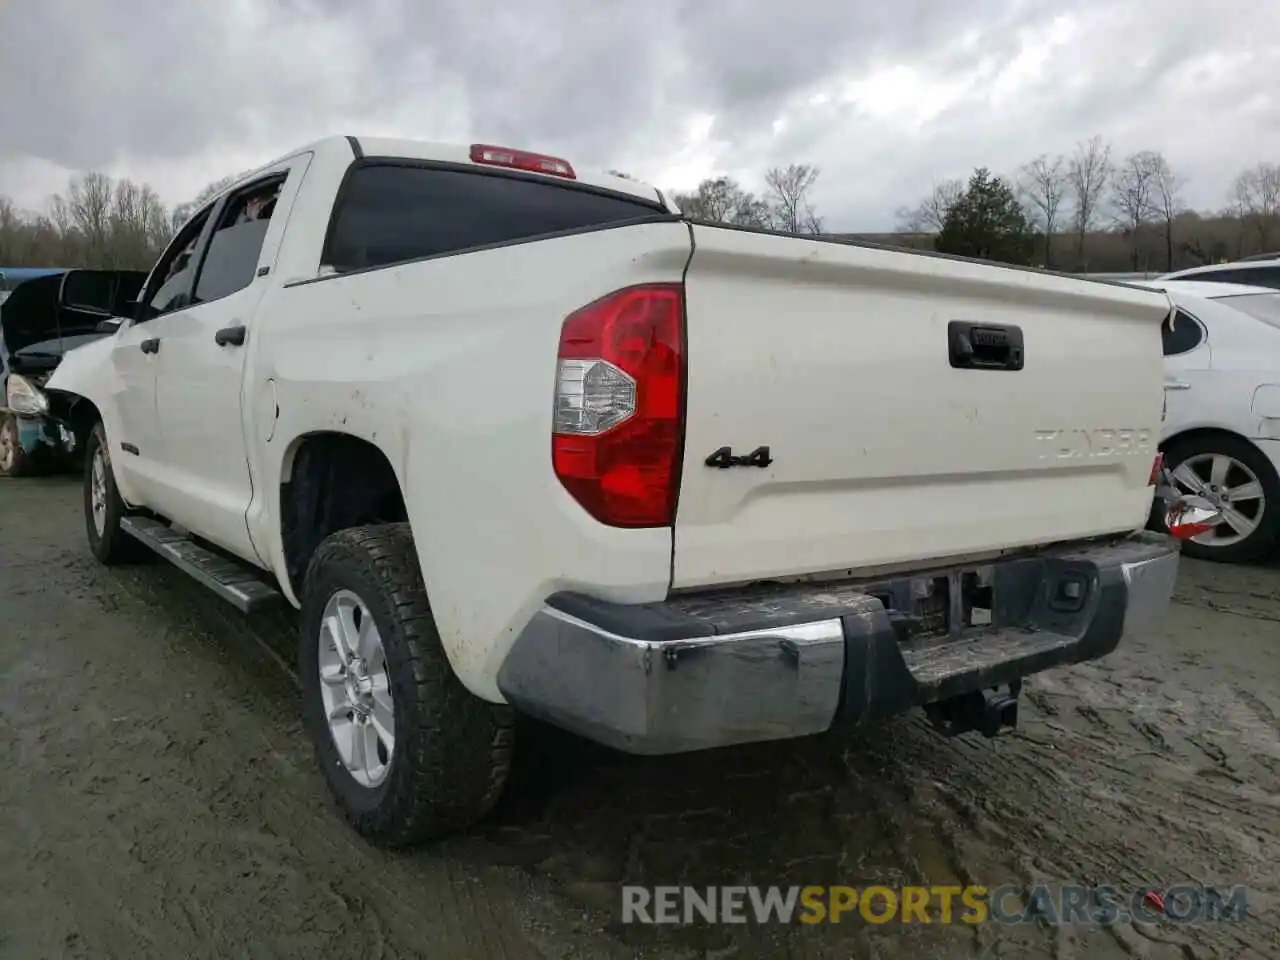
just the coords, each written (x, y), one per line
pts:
(236, 583)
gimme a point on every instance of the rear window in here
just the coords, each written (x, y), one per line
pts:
(393, 212)
(1260, 306)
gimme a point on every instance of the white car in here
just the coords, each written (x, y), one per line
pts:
(1260, 271)
(1221, 436)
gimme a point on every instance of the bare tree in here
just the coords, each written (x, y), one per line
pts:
(929, 215)
(1134, 190)
(723, 200)
(96, 222)
(1088, 172)
(1043, 185)
(12, 238)
(788, 197)
(139, 225)
(1256, 199)
(89, 204)
(1166, 201)
(183, 211)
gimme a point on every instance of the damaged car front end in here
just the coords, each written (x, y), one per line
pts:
(40, 321)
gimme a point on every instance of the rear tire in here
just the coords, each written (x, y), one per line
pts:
(421, 756)
(1247, 468)
(14, 461)
(103, 508)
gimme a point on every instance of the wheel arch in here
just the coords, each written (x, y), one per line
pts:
(1196, 433)
(314, 467)
(79, 411)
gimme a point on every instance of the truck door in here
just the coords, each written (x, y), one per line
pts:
(204, 348)
(1187, 357)
(134, 435)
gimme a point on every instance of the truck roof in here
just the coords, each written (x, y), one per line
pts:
(460, 154)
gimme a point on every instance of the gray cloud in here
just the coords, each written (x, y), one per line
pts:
(183, 92)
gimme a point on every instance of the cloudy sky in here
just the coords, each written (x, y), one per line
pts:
(885, 98)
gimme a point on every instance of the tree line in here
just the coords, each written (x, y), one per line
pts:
(786, 203)
(98, 221)
(1091, 209)
(1088, 209)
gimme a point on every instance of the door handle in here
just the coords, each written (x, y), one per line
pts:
(150, 346)
(230, 337)
(1177, 385)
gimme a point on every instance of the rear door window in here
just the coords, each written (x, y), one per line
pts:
(392, 212)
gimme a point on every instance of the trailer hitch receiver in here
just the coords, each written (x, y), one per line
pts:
(990, 712)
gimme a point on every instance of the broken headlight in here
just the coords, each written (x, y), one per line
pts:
(23, 397)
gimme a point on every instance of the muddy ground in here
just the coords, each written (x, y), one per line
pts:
(158, 798)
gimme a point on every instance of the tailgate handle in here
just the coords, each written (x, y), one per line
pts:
(985, 346)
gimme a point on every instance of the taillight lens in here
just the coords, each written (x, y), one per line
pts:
(617, 434)
(1156, 466)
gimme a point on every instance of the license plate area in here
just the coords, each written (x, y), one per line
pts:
(937, 607)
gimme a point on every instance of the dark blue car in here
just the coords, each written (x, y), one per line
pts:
(43, 314)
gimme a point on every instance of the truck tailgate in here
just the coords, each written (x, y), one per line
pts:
(884, 453)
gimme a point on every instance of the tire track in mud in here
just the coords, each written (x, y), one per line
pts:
(1157, 765)
(163, 747)
(1182, 808)
(401, 898)
(1145, 770)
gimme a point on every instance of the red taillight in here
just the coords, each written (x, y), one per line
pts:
(1156, 466)
(617, 433)
(521, 160)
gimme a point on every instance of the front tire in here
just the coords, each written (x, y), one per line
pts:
(1235, 475)
(14, 461)
(103, 507)
(408, 752)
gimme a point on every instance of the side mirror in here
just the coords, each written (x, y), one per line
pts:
(108, 326)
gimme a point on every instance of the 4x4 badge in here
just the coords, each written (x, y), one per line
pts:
(724, 458)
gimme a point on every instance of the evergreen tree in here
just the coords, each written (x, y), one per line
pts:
(986, 221)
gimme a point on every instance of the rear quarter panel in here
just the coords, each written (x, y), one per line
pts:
(448, 366)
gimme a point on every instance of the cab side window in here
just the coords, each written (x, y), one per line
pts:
(170, 286)
(1185, 335)
(232, 259)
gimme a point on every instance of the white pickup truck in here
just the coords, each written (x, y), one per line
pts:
(517, 438)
